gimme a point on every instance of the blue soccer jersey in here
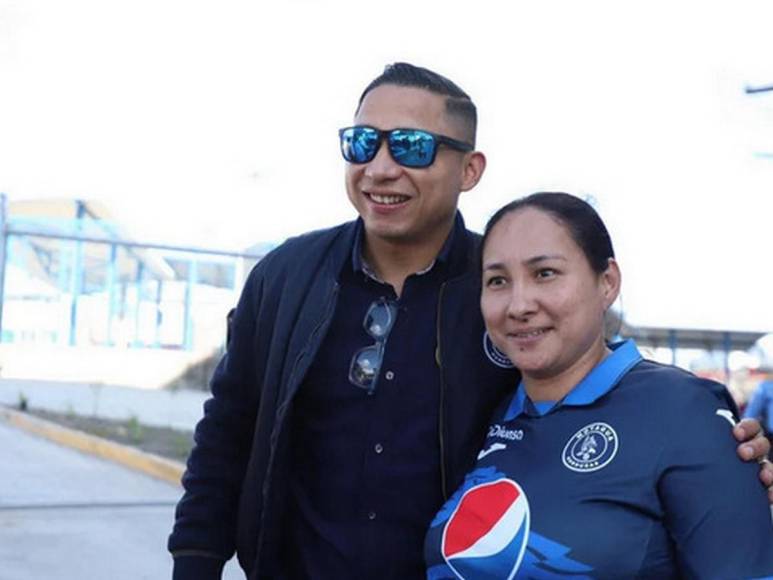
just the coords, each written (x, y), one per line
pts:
(634, 474)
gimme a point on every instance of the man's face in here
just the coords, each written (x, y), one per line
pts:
(400, 204)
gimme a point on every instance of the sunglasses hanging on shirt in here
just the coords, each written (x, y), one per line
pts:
(365, 366)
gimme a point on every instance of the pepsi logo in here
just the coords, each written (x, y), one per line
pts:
(486, 535)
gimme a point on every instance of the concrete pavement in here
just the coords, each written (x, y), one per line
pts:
(179, 409)
(68, 515)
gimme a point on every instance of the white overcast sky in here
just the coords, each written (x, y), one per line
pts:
(214, 123)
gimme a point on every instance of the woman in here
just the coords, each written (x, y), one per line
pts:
(586, 471)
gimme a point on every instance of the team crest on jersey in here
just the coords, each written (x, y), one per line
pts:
(486, 535)
(495, 355)
(591, 448)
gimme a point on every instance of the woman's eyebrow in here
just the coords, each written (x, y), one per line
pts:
(529, 261)
(494, 266)
(544, 257)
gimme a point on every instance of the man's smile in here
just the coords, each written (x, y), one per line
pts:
(386, 198)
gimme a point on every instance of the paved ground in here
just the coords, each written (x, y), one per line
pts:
(71, 516)
(179, 409)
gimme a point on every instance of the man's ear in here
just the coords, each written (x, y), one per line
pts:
(611, 279)
(474, 166)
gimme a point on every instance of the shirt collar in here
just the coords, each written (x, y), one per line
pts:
(603, 378)
(359, 263)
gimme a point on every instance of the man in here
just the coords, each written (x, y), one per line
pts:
(359, 378)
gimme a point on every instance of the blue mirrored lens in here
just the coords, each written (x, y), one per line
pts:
(359, 144)
(365, 366)
(412, 148)
(379, 319)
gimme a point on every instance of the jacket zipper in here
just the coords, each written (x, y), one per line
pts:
(282, 411)
(441, 422)
(304, 351)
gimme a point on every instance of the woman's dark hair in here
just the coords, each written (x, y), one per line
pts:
(579, 217)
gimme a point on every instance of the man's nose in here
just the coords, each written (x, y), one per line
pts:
(382, 166)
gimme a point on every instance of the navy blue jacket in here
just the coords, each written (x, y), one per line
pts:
(236, 476)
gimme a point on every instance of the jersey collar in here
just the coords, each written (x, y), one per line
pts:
(603, 378)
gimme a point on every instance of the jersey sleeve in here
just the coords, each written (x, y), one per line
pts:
(715, 508)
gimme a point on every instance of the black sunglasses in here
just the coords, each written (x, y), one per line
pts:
(366, 362)
(408, 147)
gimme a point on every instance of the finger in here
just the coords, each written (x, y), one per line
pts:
(756, 448)
(747, 429)
(766, 474)
(765, 447)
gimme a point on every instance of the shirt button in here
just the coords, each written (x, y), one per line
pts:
(389, 375)
(378, 448)
(371, 515)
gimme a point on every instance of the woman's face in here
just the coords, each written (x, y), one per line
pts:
(542, 303)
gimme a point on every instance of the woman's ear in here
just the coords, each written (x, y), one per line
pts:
(611, 279)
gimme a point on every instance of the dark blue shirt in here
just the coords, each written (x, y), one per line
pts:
(365, 479)
(633, 474)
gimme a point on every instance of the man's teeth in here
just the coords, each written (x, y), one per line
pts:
(529, 334)
(388, 199)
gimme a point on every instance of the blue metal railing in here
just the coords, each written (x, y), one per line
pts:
(72, 272)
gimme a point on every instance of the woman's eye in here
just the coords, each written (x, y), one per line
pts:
(546, 273)
(495, 281)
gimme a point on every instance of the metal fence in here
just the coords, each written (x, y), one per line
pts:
(77, 281)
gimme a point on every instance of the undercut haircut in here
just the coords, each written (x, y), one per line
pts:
(459, 105)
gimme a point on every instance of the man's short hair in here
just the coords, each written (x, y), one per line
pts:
(458, 103)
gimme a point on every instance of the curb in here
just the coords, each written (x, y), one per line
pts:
(148, 463)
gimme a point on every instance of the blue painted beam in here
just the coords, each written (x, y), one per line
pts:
(76, 274)
(188, 321)
(159, 317)
(750, 90)
(110, 289)
(138, 303)
(3, 254)
(673, 343)
(728, 345)
(130, 244)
